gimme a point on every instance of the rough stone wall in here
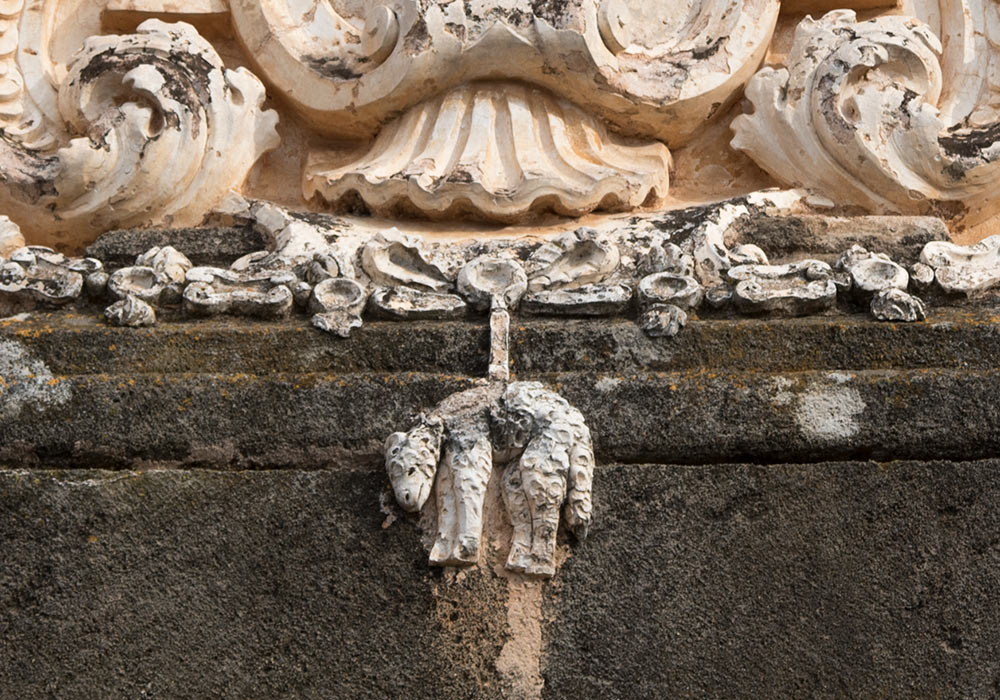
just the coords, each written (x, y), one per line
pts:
(851, 579)
(201, 511)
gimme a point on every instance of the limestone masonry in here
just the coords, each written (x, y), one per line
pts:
(499, 348)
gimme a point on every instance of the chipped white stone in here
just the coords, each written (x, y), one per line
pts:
(401, 261)
(167, 261)
(130, 312)
(663, 320)
(211, 291)
(896, 305)
(796, 288)
(491, 281)
(401, 303)
(968, 270)
(143, 283)
(575, 259)
(550, 456)
(38, 275)
(589, 300)
(872, 272)
(336, 304)
(666, 288)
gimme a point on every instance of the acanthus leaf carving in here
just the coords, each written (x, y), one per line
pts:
(880, 115)
(169, 132)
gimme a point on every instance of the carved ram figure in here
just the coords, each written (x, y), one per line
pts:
(550, 460)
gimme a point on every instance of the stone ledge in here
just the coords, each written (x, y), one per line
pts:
(74, 343)
(229, 393)
(845, 579)
(341, 421)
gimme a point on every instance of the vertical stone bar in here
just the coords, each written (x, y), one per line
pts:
(499, 344)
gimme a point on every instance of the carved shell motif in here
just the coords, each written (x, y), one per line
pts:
(498, 151)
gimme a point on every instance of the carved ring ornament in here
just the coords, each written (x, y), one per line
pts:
(442, 158)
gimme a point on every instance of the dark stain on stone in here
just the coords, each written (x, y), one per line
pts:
(418, 39)
(710, 50)
(552, 11)
(187, 77)
(331, 67)
(971, 143)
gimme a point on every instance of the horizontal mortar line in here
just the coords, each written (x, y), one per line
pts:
(943, 318)
(119, 473)
(745, 377)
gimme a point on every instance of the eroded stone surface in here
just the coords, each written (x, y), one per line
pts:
(770, 579)
(780, 580)
(283, 580)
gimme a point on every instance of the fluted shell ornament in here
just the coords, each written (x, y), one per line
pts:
(497, 152)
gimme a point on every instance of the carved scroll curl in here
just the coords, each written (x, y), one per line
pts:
(169, 131)
(879, 114)
(654, 69)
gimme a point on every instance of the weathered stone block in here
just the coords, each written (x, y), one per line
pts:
(831, 579)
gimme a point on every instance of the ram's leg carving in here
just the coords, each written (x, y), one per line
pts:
(444, 542)
(578, 510)
(470, 460)
(520, 517)
(549, 468)
(543, 468)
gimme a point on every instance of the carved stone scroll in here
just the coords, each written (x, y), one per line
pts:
(655, 69)
(168, 132)
(882, 115)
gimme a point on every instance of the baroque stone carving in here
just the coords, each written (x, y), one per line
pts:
(499, 152)
(897, 113)
(459, 133)
(543, 442)
(545, 446)
(164, 129)
(653, 69)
